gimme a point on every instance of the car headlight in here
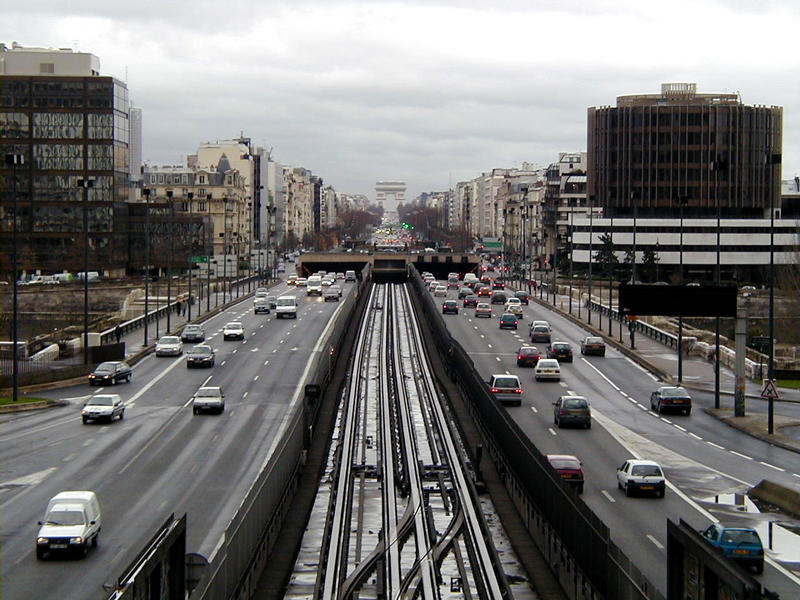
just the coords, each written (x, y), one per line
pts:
(76, 540)
(42, 540)
(84, 412)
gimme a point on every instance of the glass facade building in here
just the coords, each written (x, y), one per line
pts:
(67, 128)
(650, 150)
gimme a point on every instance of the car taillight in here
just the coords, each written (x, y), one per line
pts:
(519, 356)
(518, 391)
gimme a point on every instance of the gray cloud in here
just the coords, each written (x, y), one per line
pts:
(432, 92)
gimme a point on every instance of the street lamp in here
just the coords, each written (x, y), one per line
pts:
(634, 198)
(611, 271)
(190, 196)
(718, 165)
(85, 183)
(169, 258)
(591, 256)
(146, 192)
(13, 160)
(682, 201)
(571, 233)
(211, 259)
(224, 248)
(772, 160)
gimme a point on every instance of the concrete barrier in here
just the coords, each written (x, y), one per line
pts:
(787, 499)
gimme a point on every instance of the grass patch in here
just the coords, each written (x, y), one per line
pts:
(8, 400)
(788, 383)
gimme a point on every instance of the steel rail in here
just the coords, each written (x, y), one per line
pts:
(336, 545)
(494, 586)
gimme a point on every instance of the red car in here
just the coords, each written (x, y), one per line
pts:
(570, 469)
(528, 356)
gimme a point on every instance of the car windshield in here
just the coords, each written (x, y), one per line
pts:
(574, 403)
(548, 363)
(565, 463)
(645, 470)
(594, 341)
(285, 301)
(527, 351)
(208, 393)
(105, 367)
(191, 328)
(561, 347)
(540, 329)
(506, 382)
(674, 393)
(101, 401)
(201, 350)
(740, 536)
(168, 339)
(65, 517)
(234, 325)
(508, 317)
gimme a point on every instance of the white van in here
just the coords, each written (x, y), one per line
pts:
(314, 285)
(349, 275)
(71, 522)
(286, 306)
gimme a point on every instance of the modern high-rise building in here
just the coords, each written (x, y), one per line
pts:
(70, 125)
(710, 149)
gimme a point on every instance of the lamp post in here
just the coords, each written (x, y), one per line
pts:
(718, 165)
(555, 253)
(611, 272)
(146, 192)
(13, 160)
(85, 183)
(210, 260)
(571, 233)
(591, 256)
(169, 259)
(224, 249)
(634, 203)
(772, 160)
(682, 201)
(190, 196)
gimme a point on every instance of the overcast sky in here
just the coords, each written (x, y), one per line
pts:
(430, 92)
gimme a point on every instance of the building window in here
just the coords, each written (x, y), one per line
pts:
(160, 179)
(202, 192)
(202, 206)
(45, 68)
(202, 179)
(185, 206)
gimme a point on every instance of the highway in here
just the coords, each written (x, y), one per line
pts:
(160, 459)
(702, 457)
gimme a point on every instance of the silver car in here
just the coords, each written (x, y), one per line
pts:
(208, 399)
(103, 407)
(233, 331)
(169, 345)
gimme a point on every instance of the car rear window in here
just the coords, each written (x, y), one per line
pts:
(565, 463)
(740, 536)
(643, 470)
(674, 393)
(506, 382)
(574, 403)
(526, 351)
(541, 329)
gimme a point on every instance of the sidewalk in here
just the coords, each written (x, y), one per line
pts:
(697, 374)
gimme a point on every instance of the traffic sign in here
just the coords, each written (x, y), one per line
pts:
(198, 259)
(770, 392)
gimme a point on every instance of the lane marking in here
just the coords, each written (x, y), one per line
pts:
(608, 496)
(740, 454)
(695, 436)
(715, 445)
(534, 409)
(772, 466)
(658, 544)
(552, 431)
(256, 378)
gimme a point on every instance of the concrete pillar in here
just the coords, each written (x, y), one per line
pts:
(739, 393)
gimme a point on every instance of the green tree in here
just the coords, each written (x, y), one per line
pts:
(605, 256)
(650, 260)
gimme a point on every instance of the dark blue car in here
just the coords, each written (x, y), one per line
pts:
(742, 544)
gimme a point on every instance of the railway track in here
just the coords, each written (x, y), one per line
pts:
(402, 519)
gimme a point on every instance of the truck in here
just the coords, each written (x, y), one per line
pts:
(286, 306)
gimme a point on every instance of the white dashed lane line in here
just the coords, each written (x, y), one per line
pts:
(741, 455)
(658, 544)
(608, 496)
(552, 431)
(771, 466)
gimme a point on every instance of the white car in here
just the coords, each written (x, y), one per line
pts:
(440, 291)
(169, 345)
(103, 407)
(210, 399)
(233, 331)
(637, 475)
(515, 308)
(547, 368)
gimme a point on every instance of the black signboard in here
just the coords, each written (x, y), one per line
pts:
(678, 300)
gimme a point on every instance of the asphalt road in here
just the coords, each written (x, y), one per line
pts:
(160, 459)
(702, 457)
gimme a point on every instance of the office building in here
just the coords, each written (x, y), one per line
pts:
(71, 125)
